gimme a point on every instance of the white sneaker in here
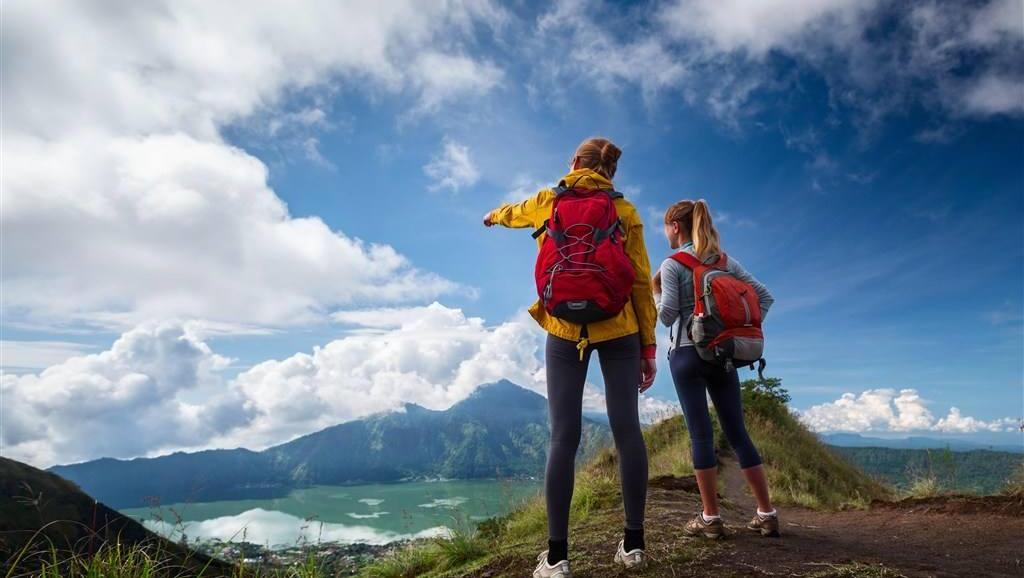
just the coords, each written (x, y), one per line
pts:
(544, 570)
(632, 560)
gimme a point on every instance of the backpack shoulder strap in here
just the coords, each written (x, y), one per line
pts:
(687, 260)
(615, 194)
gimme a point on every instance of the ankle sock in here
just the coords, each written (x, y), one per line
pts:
(766, 515)
(558, 550)
(708, 519)
(633, 540)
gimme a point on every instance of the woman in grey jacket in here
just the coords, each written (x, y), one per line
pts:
(688, 227)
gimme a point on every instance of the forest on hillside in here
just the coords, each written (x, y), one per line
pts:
(976, 471)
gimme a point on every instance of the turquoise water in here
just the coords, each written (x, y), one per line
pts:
(372, 514)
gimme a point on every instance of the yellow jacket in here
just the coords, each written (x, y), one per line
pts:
(640, 313)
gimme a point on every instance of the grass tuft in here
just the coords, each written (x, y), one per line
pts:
(856, 570)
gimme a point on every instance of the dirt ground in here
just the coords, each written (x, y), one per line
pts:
(934, 537)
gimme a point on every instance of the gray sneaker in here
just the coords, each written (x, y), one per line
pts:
(632, 560)
(544, 570)
(714, 529)
(768, 526)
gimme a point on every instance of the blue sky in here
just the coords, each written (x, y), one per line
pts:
(862, 159)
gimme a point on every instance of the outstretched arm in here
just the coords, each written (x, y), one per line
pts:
(528, 213)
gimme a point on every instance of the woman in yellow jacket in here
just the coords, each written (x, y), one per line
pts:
(625, 344)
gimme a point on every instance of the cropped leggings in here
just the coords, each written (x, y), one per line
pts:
(566, 374)
(696, 379)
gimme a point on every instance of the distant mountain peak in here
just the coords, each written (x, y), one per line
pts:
(500, 394)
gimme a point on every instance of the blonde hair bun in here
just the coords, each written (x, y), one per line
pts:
(600, 155)
(610, 153)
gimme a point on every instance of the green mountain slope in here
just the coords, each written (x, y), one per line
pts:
(43, 516)
(501, 430)
(976, 471)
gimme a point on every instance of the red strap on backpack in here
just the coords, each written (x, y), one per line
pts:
(699, 268)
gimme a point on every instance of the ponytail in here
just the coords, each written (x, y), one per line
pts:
(705, 236)
(694, 217)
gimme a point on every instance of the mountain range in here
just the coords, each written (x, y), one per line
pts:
(500, 430)
(852, 440)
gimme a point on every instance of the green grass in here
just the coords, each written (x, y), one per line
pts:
(856, 570)
(923, 487)
(114, 560)
(1015, 485)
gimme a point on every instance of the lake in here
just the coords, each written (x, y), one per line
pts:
(370, 514)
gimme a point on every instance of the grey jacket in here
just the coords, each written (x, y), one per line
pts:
(675, 302)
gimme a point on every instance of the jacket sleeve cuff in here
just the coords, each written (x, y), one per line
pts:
(648, 351)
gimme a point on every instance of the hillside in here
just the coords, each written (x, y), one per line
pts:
(837, 521)
(974, 471)
(852, 440)
(42, 515)
(501, 430)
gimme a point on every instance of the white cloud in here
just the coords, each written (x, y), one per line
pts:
(156, 388)
(877, 58)
(194, 66)
(37, 354)
(995, 94)
(452, 168)
(433, 356)
(279, 529)
(443, 77)
(523, 187)
(159, 388)
(122, 201)
(116, 231)
(880, 410)
(956, 422)
(758, 26)
(587, 48)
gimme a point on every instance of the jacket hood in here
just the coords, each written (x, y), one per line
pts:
(586, 179)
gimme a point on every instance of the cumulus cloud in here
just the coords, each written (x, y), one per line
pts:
(879, 410)
(452, 168)
(123, 202)
(118, 230)
(157, 387)
(161, 388)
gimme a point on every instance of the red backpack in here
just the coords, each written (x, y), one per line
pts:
(726, 323)
(583, 273)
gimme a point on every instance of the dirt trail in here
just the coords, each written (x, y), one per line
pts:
(935, 537)
(942, 537)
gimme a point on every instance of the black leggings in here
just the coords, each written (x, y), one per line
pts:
(620, 365)
(695, 379)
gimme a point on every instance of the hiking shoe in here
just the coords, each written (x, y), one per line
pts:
(767, 526)
(545, 570)
(714, 529)
(632, 560)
